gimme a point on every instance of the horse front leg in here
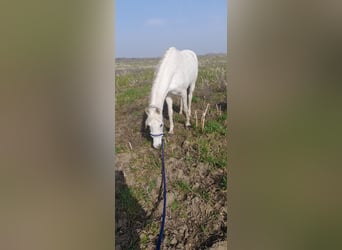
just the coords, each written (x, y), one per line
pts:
(185, 106)
(181, 106)
(170, 111)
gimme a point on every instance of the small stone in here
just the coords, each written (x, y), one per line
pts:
(174, 241)
(186, 144)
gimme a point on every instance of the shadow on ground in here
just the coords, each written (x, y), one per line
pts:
(129, 215)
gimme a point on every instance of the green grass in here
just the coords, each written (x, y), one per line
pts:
(144, 240)
(208, 153)
(118, 149)
(152, 185)
(174, 205)
(195, 99)
(204, 228)
(152, 163)
(185, 188)
(131, 95)
(213, 127)
(223, 182)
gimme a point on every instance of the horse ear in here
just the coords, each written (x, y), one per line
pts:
(147, 111)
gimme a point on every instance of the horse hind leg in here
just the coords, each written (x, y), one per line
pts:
(181, 106)
(191, 90)
(170, 111)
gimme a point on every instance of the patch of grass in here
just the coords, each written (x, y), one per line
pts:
(152, 185)
(118, 149)
(216, 157)
(124, 80)
(195, 99)
(183, 186)
(153, 162)
(204, 194)
(153, 227)
(144, 240)
(189, 158)
(136, 113)
(221, 161)
(138, 193)
(177, 117)
(204, 228)
(174, 205)
(222, 117)
(212, 127)
(216, 125)
(133, 168)
(223, 182)
(132, 94)
(204, 152)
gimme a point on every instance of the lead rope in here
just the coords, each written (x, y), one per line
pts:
(160, 238)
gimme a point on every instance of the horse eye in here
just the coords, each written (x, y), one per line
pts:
(161, 125)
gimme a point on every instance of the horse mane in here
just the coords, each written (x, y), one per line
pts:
(162, 64)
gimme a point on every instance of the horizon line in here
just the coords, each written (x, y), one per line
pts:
(153, 57)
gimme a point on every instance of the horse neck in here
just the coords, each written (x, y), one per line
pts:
(158, 95)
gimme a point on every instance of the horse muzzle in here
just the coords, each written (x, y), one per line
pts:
(157, 140)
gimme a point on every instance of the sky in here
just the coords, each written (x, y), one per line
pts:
(147, 28)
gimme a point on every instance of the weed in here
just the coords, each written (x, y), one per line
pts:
(174, 205)
(136, 113)
(152, 162)
(204, 194)
(213, 127)
(118, 149)
(223, 182)
(208, 155)
(189, 158)
(222, 117)
(152, 185)
(182, 186)
(144, 240)
(153, 227)
(204, 228)
(195, 99)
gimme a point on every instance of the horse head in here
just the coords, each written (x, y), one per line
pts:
(155, 122)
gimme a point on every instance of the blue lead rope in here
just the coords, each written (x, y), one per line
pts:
(160, 238)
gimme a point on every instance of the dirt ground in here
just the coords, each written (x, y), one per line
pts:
(195, 161)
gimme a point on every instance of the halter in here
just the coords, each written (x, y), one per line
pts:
(156, 135)
(152, 106)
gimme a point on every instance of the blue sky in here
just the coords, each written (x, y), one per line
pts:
(146, 28)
